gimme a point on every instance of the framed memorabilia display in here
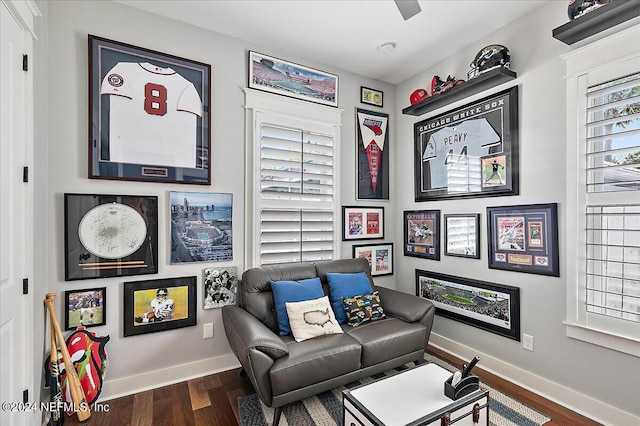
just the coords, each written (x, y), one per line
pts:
(220, 287)
(159, 305)
(297, 81)
(149, 115)
(372, 155)
(371, 96)
(471, 151)
(422, 234)
(362, 223)
(85, 307)
(379, 256)
(201, 227)
(491, 307)
(110, 235)
(524, 238)
(462, 235)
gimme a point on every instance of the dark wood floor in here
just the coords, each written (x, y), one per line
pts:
(213, 400)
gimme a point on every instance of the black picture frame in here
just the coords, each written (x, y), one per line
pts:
(524, 238)
(140, 317)
(372, 155)
(462, 235)
(169, 138)
(85, 307)
(422, 233)
(470, 151)
(110, 235)
(488, 306)
(362, 223)
(379, 256)
(371, 96)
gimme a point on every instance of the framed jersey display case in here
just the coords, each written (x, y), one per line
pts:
(471, 151)
(149, 117)
(372, 152)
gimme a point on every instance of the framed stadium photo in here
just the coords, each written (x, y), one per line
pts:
(362, 223)
(462, 235)
(296, 81)
(470, 151)
(488, 306)
(149, 115)
(524, 238)
(110, 235)
(379, 256)
(220, 287)
(159, 305)
(422, 234)
(87, 308)
(372, 155)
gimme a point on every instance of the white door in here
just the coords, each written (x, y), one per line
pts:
(13, 304)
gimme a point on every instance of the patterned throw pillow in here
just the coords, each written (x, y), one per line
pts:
(362, 309)
(312, 318)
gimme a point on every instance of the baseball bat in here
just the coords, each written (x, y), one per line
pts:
(57, 417)
(73, 381)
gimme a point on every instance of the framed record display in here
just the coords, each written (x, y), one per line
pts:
(110, 235)
(372, 153)
(470, 151)
(149, 115)
(524, 238)
(422, 234)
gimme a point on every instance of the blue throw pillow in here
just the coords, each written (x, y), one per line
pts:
(346, 285)
(293, 291)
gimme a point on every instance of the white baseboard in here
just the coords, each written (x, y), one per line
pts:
(562, 395)
(167, 376)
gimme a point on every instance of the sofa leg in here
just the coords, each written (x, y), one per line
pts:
(276, 415)
(420, 361)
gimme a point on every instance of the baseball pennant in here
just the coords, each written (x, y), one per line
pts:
(372, 134)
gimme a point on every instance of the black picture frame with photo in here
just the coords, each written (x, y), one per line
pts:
(524, 238)
(488, 306)
(462, 235)
(422, 234)
(110, 235)
(371, 96)
(85, 307)
(379, 256)
(159, 305)
(362, 223)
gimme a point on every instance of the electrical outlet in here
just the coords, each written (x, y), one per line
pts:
(207, 331)
(527, 342)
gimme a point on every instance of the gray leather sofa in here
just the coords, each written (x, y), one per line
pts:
(283, 370)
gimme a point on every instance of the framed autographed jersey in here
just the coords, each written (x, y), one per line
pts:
(471, 151)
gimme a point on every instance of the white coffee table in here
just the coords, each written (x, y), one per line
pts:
(412, 397)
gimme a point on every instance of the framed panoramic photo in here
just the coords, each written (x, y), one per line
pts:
(85, 307)
(470, 151)
(491, 307)
(379, 256)
(462, 235)
(524, 238)
(422, 234)
(149, 115)
(371, 96)
(297, 81)
(159, 305)
(110, 235)
(201, 227)
(220, 286)
(372, 155)
(362, 223)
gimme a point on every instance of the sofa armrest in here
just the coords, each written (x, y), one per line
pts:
(245, 332)
(407, 307)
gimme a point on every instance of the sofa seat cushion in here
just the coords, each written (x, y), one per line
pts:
(313, 361)
(387, 339)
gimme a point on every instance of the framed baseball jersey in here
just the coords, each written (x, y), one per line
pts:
(149, 117)
(471, 151)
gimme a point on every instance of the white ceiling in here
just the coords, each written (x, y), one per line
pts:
(346, 33)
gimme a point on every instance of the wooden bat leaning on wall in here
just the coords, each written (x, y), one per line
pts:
(55, 387)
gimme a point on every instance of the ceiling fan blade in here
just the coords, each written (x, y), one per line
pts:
(408, 8)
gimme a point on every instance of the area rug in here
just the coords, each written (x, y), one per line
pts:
(325, 409)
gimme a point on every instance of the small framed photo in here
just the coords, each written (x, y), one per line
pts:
(371, 96)
(462, 235)
(159, 305)
(524, 238)
(380, 257)
(220, 286)
(362, 223)
(488, 306)
(422, 234)
(85, 308)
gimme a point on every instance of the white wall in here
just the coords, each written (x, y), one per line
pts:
(134, 361)
(561, 367)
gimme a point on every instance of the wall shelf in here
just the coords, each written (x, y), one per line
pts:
(605, 17)
(482, 82)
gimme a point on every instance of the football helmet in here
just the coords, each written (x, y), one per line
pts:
(418, 95)
(578, 8)
(491, 56)
(162, 294)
